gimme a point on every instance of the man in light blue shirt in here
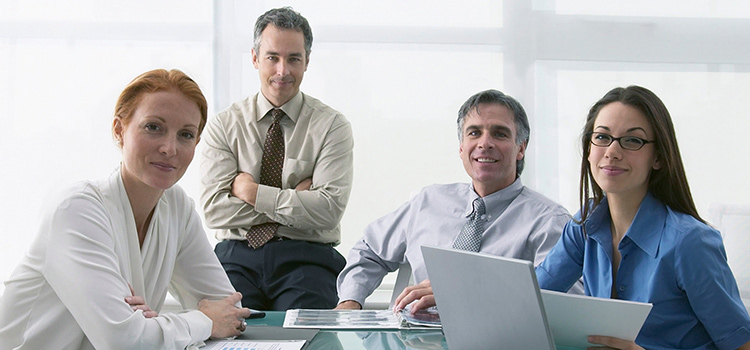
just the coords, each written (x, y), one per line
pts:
(494, 132)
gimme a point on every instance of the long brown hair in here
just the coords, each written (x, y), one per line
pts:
(669, 183)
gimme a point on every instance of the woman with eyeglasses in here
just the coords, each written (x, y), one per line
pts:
(639, 237)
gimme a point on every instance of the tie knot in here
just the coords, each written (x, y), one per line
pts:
(478, 205)
(277, 114)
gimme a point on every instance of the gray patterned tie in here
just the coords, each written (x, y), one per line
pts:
(271, 165)
(470, 237)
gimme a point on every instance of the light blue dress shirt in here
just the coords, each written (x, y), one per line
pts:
(520, 223)
(669, 259)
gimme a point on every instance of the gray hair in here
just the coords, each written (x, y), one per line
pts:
(286, 18)
(523, 130)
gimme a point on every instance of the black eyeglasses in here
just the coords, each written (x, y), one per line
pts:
(631, 143)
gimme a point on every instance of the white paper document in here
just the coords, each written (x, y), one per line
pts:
(359, 319)
(572, 318)
(253, 345)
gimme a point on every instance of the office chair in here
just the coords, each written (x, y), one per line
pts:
(403, 280)
(733, 221)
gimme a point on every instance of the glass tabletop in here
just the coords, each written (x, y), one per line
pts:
(362, 339)
(365, 339)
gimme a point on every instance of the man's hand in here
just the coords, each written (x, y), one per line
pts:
(304, 185)
(228, 320)
(421, 292)
(612, 343)
(244, 187)
(348, 305)
(139, 303)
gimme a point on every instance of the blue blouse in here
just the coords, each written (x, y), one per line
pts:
(669, 259)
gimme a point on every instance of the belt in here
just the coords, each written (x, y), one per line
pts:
(279, 239)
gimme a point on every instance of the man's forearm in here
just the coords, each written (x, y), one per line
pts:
(224, 211)
(245, 188)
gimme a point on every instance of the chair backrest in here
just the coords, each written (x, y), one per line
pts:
(733, 221)
(403, 280)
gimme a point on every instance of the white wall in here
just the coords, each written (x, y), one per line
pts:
(398, 70)
(62, 67)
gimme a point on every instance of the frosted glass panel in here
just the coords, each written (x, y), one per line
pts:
(709, 109)
(56, 106)
(429, 13)
(662, 8)
(162, 11)
(402, 105)
(402, 102)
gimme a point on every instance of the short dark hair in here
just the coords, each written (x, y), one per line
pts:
(523, 131)
(286, 18)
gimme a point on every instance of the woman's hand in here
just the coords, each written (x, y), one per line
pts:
(612, 343)
(228, 320)
(421, 291)
(139, 303)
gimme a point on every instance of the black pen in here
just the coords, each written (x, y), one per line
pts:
(256, 314)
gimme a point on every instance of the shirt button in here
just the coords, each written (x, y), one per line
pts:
(622, 288)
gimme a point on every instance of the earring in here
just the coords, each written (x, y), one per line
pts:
(119, 142)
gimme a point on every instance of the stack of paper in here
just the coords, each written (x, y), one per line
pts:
(360, 319)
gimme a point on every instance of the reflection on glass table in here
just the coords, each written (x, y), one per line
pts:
(359, 339)
(404, 340)
(364, 339)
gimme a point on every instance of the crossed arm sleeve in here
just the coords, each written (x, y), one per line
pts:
(83, 270)
(319, 208)
(322, 207)
(197, 273)
(219, 167)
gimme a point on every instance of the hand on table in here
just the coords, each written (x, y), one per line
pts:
(421, 292)
(348, 305)
(228, 320)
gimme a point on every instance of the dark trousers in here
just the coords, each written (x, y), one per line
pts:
(282, 275)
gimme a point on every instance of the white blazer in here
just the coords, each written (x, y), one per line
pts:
(68, 292)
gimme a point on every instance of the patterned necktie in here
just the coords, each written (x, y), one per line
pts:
(270, 174)
(470, 237)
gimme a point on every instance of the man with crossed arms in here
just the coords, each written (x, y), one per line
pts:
(494, 214)
(276, 177)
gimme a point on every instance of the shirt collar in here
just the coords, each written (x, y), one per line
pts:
(645, 231)
(498, 200)
(648, 225)
(292, 108)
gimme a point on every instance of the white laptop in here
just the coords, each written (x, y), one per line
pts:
(487, 302)
(490, 302)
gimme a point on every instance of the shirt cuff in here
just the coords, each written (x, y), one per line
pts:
(265, 200)
(200, 325)
(735, 339)
(354, 292)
